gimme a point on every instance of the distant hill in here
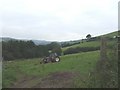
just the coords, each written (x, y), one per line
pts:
(44, 42)
(71, 42)
(41, 42)
(6, 39)
(37, 42)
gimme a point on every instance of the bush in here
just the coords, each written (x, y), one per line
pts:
(80, 49)
(65, 44)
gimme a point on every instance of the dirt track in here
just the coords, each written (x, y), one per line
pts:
(54, 80)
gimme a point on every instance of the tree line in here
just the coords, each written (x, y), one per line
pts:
(18, 49)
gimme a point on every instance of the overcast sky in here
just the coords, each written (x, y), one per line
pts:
(58, 20)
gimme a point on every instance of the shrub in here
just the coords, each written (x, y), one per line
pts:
(80, 49)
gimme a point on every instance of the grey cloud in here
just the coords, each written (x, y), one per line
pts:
(52, 26)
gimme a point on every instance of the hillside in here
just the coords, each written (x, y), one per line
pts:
(6, 39)
(94, 43)
(44, 42)
(110, 35)
(78, 70)
(37, 42)
(34, 73)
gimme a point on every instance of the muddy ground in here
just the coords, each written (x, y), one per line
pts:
(53, 80)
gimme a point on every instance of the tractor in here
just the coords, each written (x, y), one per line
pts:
(51, 58)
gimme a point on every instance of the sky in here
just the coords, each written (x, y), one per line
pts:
(57, 20)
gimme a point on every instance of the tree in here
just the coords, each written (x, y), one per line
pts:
(88, 37)
(55, 47)
(22, 49)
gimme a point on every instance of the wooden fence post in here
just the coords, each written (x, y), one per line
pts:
(103, 49)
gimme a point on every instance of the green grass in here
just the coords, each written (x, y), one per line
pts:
(110, 35)
(93, 43)
(82, 63)
(85, 44)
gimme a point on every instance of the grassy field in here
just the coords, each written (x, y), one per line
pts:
(81, 63)
(110, 35)
(94, 43)
(72, 71)
(85, 44)
(91, 44)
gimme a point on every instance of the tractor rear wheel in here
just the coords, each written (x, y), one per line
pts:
(57, 59)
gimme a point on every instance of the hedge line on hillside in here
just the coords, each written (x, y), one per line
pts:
(80, 49)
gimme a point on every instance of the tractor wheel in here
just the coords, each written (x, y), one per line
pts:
(57, 59)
